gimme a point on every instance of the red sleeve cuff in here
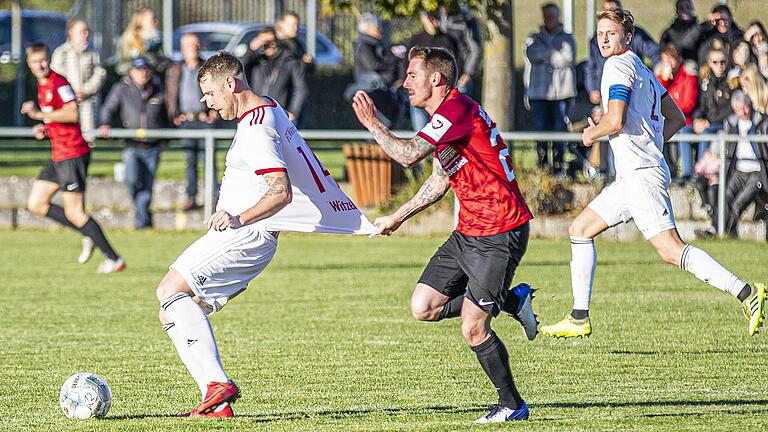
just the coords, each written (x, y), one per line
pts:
(270, 170)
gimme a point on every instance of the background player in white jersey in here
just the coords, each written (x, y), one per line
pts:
(240, 242)
(640, 117)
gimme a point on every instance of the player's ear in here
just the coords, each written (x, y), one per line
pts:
(437, 79)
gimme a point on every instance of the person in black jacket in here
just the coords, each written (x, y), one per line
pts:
(714, 103)
(459, 23)
(680, 32)
(376, 70)
(287, 32)
(746, 161)
(430, 36)
(277, 73)
(138, 99)
(718, 30)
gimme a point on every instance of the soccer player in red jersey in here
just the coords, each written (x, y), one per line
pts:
(470, 274)
(70, 155)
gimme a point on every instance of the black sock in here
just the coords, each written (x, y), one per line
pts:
(452, 308)
(93, 230)
(744, 293)
(580, 314)
(494, 358)
(57, 213)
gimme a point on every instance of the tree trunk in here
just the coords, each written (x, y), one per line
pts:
(499, 65)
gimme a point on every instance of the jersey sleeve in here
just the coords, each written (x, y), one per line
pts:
(265, 151)
(619, 78)
(65, 92)
(449, 123)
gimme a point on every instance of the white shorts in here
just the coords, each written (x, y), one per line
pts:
(642, 195)
(220, 264)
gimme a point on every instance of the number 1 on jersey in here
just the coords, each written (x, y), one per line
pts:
(315, 177)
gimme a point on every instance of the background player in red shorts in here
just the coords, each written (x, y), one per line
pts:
(470, 274)
(70, 155)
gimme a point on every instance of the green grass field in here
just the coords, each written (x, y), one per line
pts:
(324, 341)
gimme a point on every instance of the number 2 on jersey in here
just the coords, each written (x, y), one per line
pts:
(504, 158)
(315, 177)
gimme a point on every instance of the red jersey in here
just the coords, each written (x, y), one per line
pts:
(476, 159)
(66, 140)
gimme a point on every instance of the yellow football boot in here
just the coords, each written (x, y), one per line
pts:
(568, 328)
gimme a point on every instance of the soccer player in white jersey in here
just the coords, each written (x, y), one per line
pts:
(640, 117)
(272, 181)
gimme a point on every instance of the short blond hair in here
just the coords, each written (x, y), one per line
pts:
(621, 17)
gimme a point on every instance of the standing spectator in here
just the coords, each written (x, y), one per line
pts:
(754, 49)
(708, 184)
(746, 161)
(430, 36)
(287, 32)
(182, 103)
(375, 70)
(641, 44)
(276, 73)
(680, 81)
(550, 82)
(718, 27)
(714, 102)
(141, 38)
(81, 66)
(463, 27)
(755, 86)
(138, 99)
(684, 31)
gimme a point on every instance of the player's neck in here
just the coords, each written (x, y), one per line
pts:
(435, 101)
(248, 100)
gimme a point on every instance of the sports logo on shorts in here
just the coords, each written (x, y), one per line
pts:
(72, 186)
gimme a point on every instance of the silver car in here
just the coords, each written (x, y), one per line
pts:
(234, 38)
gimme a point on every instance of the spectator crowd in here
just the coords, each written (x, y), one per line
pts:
(702, 63)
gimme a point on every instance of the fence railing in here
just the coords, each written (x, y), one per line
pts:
(211, 135)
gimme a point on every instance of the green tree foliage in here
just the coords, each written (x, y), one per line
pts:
(390, 8)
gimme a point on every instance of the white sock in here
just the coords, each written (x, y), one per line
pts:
(710, 271)
(583, 264)
(193, 326)
(186, 356)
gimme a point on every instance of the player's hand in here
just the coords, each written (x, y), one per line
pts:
(222, 220)
(586, 135)
(365, 109)
(39, 131)
(386, 225)
(105, 131)
(29, 109)
(595, 97)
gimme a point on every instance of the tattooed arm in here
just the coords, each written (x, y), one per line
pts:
(278, 195)
(406, 152)
(430, 192)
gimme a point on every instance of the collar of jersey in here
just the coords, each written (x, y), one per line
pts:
(270, 105)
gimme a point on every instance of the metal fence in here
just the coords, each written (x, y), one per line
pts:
(211, 135)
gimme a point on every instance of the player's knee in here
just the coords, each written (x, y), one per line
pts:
(422, 312)
(575, 230)
(474, 332)
(77, 216)
(37, 206)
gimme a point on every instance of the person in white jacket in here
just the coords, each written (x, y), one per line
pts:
(550, 83)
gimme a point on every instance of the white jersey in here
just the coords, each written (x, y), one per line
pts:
(640, 142)
(266, 141)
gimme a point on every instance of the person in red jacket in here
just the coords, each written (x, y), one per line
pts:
(680, 81)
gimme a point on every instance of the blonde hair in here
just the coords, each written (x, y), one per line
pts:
(622, 17)
(758, 89)
(131, 43)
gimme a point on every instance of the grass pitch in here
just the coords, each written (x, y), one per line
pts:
(324, 341)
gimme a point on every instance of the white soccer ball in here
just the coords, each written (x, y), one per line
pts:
(85, 395)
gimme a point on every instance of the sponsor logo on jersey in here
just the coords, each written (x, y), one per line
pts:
(48, 96)
(437, 128)
(451, 160)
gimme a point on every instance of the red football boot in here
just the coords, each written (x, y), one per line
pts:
(221, 411)
(217, 394)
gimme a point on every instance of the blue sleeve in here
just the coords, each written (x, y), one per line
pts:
(619, 92)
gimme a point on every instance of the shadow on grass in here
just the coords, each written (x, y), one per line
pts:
(338, 414)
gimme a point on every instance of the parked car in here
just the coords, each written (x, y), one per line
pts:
(234, 37)
(36, 26)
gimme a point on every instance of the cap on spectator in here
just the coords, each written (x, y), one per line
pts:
(140, 63)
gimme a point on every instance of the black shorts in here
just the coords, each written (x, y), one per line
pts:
(480, 268)
(69, 174)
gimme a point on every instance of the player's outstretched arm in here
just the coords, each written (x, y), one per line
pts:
(406, 152)
(278, 195)
(674, 119)
(430, 192)
(611, 123)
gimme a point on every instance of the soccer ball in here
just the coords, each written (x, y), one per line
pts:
(85, 395)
